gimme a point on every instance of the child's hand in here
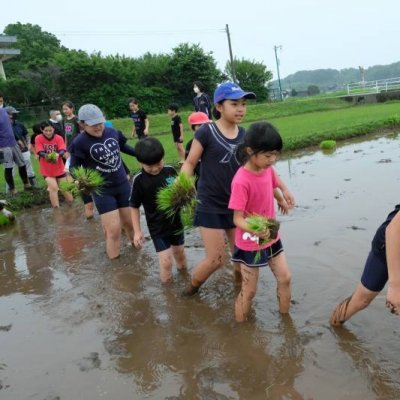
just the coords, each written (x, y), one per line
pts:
(393, 299)
(289, 198)
(283, 207)
(138, 240)
(264, 236)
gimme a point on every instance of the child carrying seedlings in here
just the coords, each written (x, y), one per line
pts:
(253, 189)
(51, 149)
(165, 231)
(381, 266)
(215, 145)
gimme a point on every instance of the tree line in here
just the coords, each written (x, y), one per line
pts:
(47, 73)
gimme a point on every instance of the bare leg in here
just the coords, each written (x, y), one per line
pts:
(230, 233)
(89, 210)
(52, 188)
(359, 300)
(126, 222)
(165, 259)
(179, 255)
(248, 291)
(67, 195)
(112, 229)
(280, 269)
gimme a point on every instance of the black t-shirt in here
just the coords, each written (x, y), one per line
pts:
(217, 168)
(139, 117)
(202, 103)
(175, 128)
(144, 192)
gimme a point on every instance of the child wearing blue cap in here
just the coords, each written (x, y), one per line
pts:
(215, 144)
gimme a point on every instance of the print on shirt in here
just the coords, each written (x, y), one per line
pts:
(107, 153)
(230, 148)
(249, 236)
(49, 147)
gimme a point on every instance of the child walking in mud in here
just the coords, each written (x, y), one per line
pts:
(51, 149)
(215, 145)
(382, 265)
(166, 232)
(253, 189)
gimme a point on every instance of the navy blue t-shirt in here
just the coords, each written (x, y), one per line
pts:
(217, 168)
(379, 240)
(144, 192)
(102, 154)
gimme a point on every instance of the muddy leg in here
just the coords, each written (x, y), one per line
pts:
(52, 188)
(248, 291)
(165, 259)
(280, 269)
(179, 255)
(112, 229)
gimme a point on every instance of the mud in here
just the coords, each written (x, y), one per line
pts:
(74, 325)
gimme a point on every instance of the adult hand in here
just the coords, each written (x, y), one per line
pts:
(393, 299)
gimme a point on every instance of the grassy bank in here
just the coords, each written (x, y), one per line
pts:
(302, 123)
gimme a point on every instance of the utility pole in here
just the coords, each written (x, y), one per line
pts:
(277, 68)
(230, 53)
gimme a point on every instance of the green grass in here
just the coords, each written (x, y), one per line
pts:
(301, 122)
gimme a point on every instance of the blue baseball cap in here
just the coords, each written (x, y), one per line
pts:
(231, 91)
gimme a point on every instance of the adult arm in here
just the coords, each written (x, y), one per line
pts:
(125, 148)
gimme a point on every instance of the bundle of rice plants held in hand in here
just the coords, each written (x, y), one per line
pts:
(260, 224)
(179, 198)
(86, 181)
(52, 157)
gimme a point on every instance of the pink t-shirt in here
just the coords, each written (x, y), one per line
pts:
(253, 193)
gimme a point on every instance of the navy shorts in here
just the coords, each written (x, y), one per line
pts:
(214, 221)
(113, 198)
(250, 258)
(375, 274)
(165, 242)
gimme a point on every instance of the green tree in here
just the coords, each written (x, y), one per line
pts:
(251, 75)
(191, 63)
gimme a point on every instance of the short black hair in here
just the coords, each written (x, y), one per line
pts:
(68, 103)
(133, 100)
(149, 151)
(173, 107)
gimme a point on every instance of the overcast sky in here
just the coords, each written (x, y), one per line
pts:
(313, 33)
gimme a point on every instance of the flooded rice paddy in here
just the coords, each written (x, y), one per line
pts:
(74, 325)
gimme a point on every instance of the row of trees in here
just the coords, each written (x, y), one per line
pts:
(47, 73)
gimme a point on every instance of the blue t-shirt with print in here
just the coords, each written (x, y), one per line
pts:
(217, 168)
(102, 154)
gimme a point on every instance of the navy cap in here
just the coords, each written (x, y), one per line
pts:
(231, 91)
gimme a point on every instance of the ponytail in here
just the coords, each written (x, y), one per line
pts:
(241, 154)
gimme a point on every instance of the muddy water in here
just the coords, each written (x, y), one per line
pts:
(74, 325)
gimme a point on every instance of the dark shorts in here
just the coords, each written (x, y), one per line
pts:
(86, 198)
(214, 221)
(177, 138)
(375, 274)
(57, 177)
(251, 259)
(112, 198)
(165, 242)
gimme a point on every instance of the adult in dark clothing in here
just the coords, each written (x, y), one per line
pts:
(201, 102)
(99, 148)
(11, 153)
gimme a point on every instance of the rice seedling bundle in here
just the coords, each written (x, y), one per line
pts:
(86, 181)
(52, 157)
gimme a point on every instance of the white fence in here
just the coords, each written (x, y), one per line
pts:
(366, 87)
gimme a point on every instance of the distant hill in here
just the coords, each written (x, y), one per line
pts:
(333, 79)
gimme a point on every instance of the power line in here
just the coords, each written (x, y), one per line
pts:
(137, 33)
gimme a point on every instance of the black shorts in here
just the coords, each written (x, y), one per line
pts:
(214, 221)
(257, 258)
(177, 138)
(165, 242)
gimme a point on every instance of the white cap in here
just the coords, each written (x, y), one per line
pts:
(91, 115)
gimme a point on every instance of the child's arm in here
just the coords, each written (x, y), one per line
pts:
(146, 126)
(181, 131)
(240, 221)
(283, 206)
(287, 195)
(193, 157)
(138, 237)
(393, 264)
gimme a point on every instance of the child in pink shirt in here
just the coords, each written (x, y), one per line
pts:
(254, 189)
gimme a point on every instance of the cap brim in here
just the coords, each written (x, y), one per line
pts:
(239, 95)
(95, 121)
